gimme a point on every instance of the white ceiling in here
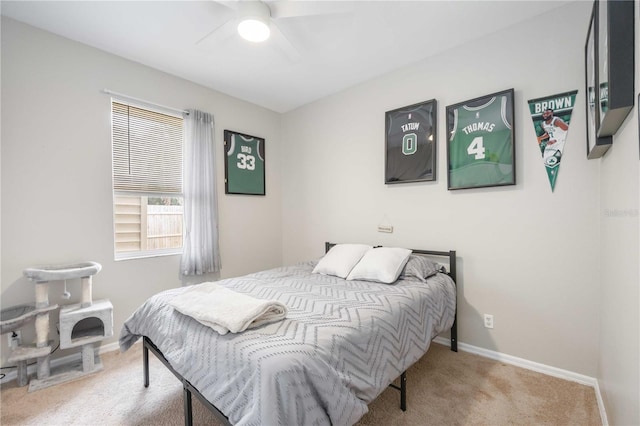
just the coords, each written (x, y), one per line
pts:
(337, 44)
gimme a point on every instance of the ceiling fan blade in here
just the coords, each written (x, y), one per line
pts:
(223, 32)
(231, 4)
(284, 44)
(294, 9)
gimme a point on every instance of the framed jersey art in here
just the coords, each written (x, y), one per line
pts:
(410, 154)
(244, 164)
(481, 142)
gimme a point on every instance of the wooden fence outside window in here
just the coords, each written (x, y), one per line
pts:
(142, 227)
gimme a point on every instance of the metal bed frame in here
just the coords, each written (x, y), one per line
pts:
(188, 390)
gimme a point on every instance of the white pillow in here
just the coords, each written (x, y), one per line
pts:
(382, 264)
(340, 259)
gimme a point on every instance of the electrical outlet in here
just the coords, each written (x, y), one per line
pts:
(14, 338)
(488, 321)
(385, 228)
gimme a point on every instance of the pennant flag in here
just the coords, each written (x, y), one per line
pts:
(551, 116)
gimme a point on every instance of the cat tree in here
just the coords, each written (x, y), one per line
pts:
(80, 325)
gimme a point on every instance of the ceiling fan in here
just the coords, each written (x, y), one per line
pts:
(257, 20)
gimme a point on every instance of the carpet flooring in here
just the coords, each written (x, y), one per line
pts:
(444, 388)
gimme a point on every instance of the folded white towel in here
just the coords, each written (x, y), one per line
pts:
(225, 310)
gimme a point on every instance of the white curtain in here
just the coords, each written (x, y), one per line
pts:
(200, 254)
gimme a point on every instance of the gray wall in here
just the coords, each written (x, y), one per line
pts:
(619, 225)
(560, 278)
(528, 256)
(56, 170)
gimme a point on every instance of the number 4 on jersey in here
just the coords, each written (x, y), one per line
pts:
(476, 148)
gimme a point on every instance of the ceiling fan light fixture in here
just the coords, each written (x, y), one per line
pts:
(254, 30)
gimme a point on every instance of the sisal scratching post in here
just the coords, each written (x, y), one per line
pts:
(42, 330)
(87, 291)
(42, 320)
(42, 294)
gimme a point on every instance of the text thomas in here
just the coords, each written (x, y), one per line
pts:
(480, 126)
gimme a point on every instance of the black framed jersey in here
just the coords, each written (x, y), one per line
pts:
(410, 143)
(480, 146)
(244, 164)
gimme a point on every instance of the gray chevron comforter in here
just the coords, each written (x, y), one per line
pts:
(340, 346)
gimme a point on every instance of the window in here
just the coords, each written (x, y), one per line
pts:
(147, 181)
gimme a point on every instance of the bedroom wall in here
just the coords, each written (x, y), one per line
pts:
(527, 255)
(559, 273)
(56, 171)
(619, 364)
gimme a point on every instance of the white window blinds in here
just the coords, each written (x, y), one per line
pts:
(147, 150)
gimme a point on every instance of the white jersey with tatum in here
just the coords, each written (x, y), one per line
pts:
(552, 148)
(409, 149)
(555, 133)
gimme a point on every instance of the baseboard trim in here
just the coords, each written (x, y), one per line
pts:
(534, 366)
(603, 411)
(68, 359)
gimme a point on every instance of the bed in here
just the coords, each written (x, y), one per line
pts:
(342, 343)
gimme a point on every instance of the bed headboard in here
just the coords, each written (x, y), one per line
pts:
(450, 255)
(451, 271)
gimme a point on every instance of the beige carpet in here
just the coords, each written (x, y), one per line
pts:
(444, 388)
